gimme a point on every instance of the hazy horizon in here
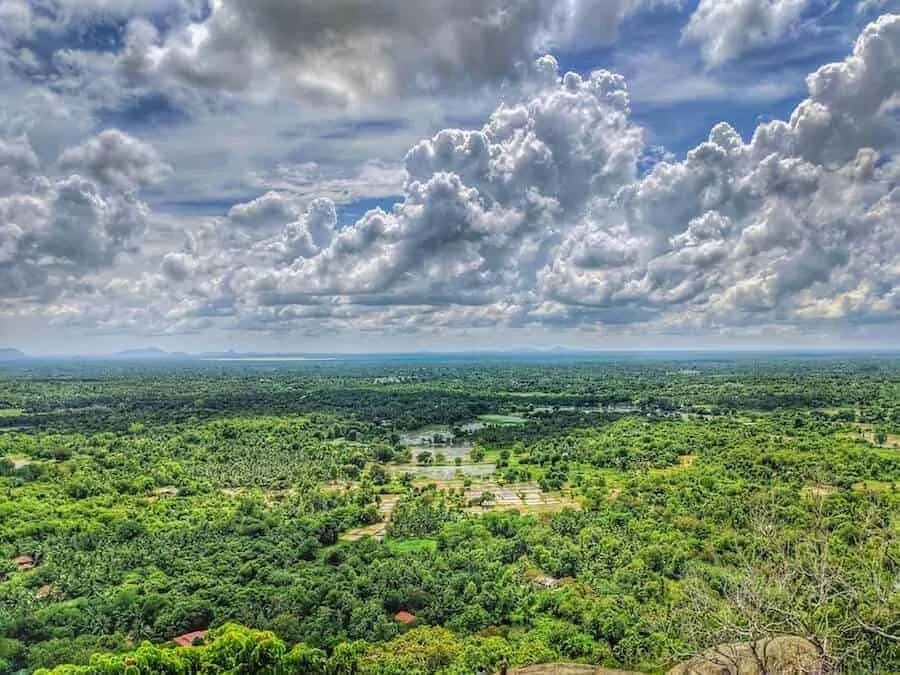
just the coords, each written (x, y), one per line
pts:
(560, 350)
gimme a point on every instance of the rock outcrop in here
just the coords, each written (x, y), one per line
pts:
(568, 669)
(784, 655)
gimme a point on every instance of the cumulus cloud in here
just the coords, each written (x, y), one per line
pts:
(64, 15)
(16, 20)
(310, 180)
(726, 29)
(796, 223)
(18, 162)
(117, 161)
(481, 209)
(346, 50)
(271, 209)
(542, 216)
(177, 267)
(54, 229)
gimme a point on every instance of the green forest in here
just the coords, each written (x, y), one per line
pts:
(447, 515)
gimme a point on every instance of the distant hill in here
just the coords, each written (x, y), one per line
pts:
(12, 355)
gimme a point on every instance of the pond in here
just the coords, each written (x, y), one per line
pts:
(502, 420)
(432, 435)
(450, 452)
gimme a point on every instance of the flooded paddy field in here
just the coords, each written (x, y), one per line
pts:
(445, 472)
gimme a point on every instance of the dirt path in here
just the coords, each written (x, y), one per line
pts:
(378, 530)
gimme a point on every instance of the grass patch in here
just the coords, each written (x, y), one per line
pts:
(404, 546)
(502, 420)
(685, 463)
(892, 441)
(11, 412)
(362, 532)
(873, 486)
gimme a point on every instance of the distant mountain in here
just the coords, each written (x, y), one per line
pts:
(12, 355)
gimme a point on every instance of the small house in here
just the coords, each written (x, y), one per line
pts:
(405, 618)
(25, 563)
(188, 639)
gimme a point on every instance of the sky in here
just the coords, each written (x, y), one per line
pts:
(387, 175)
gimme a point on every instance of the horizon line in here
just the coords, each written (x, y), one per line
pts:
(161, 354)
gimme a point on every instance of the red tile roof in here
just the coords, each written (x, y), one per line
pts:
(405, 617)
(187, 639)
(25, 563)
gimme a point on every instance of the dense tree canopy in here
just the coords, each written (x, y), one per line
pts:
(624, 513)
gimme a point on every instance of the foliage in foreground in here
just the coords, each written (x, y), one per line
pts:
(238, 650)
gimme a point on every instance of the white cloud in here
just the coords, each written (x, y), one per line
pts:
(726, 29)
(543, 206)
(539, 217)
(56, 229)
(773, 229)
(117, 161)
(658, 80)
(345, 51)
(272, 209)
(15, 20)
(310, 180)
(481, 208)
(65, 15)
(18, 162)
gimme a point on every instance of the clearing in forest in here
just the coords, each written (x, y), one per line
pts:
(818, 490)
(450, 452)
(685, 462)
(269, 496)
(874, 486)
(386, 507)
(376, 531)
(503, 420)
(891, 441)
(523, 497)
(867, 431)
(431, 436)
(447, 472)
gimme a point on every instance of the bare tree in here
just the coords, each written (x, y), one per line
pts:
(795, 583)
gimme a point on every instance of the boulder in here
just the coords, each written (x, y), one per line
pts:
(783, 655)
(568, 669)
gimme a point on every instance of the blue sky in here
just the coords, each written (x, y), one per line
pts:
(161, 157)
